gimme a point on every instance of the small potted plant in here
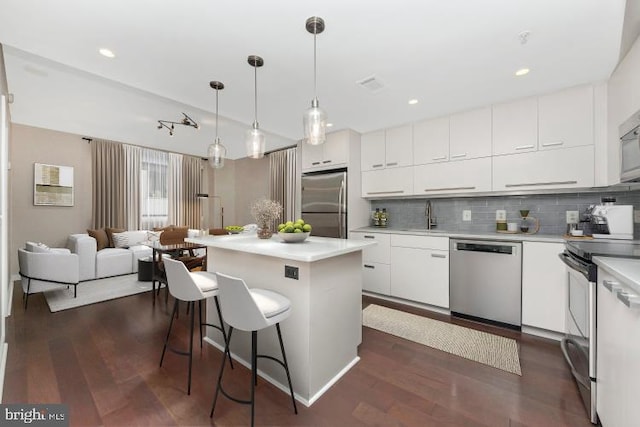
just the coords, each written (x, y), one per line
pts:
(266, 212)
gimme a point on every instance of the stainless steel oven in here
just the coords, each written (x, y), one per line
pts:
(579, 344)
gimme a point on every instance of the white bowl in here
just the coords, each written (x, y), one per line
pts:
(577, 232)
(293, 237)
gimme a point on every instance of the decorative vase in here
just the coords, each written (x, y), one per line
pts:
(264, 232)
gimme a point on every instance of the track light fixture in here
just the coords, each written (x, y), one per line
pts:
(170, 125)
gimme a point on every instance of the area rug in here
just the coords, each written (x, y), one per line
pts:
(94, 291)
(493, 350)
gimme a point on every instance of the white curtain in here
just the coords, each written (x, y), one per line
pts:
(175, 189)
(283, 172)
(154, 189)
(132, 194)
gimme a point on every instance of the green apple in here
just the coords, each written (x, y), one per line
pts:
(297, 230)
(280, 227)
(306, 227)
(288, 229)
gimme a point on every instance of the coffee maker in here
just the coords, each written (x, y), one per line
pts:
(610, 221)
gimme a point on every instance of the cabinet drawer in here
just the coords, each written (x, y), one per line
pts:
(420, 242)
(376, 253)
(375, 277)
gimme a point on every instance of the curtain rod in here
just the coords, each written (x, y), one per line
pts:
(90, 140)
(280, 149)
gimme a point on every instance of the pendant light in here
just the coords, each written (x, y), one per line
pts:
(216, 152)
(255, 139)
(315, 119)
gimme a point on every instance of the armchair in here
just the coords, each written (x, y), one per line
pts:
(43, 268)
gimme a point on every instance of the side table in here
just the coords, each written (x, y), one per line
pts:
(145, 269)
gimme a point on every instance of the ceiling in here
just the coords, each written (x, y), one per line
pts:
(450, 55)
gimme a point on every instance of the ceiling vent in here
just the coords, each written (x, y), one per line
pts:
(372, 83)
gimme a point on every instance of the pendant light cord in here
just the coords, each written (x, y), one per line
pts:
(255, 92)
(216, 140)
(315, 69)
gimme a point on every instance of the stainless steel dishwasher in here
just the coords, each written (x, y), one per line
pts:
(486, 281)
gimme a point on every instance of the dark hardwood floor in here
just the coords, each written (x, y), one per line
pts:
(102, 360)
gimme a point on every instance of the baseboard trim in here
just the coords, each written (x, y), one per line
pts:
(408, 302)
(4, 349)
(285, 388)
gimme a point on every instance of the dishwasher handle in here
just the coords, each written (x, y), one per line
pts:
(485, 247)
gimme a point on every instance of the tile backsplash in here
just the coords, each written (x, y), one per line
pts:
(549, 209)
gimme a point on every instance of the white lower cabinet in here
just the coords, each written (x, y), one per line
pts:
(552, 169)
(544, 286)
(375, 262)
(392, 182)
(618, 353)
(420, 269)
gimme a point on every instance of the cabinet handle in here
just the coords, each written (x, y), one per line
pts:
(457, 156)
(438, 256)
(392, 164)
(629, 299)
(386, 192)
(327, 161)
(369, 237)
(552, 144)
(369, 266)
(439, 158)
(315, 163)
(531, 184)
(449, 188)
(612, 286)
(525, 147)
(379, 165)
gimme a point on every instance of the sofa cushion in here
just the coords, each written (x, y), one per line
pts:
(101, 237)
(110, 231)
(120, 240)
(36, 247)
(113, 262)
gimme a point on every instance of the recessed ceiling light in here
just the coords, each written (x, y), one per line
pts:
(522, 72)
(329, 125)
(413, 101)
(106, 52)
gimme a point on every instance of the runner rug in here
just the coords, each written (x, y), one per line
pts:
(493, 350)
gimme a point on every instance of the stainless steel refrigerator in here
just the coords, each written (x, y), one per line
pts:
(324, 203)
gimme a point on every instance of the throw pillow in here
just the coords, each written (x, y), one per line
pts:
(101, 238)
(110, 232)
(120, 240)
(37, 247)
(153, 236)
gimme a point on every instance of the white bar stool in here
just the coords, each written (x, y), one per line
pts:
(251, 310)
(190, 287)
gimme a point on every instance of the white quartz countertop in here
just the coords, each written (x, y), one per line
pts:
(312, 249)
(515, 237)
(626, 270)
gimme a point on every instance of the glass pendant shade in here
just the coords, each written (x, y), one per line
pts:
(216, 154)
(255, 141)
(314, 122)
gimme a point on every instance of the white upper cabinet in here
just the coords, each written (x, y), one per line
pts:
(391, 182)
(333, 153)
(372, 150)
(431, 141)
(545, 169)
(515, 126)
(566, 118)
(388, 148)
(467, 176)
(470, 134)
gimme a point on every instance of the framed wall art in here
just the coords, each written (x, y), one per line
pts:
(53, 185)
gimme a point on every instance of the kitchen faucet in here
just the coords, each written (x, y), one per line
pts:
(428, 212)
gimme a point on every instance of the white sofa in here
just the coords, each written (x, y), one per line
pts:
(108, 262)
(43, 268)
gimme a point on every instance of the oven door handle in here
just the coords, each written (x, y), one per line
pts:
(574, 265)
(579, 377)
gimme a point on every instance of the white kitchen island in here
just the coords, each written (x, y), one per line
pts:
(322, 335)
